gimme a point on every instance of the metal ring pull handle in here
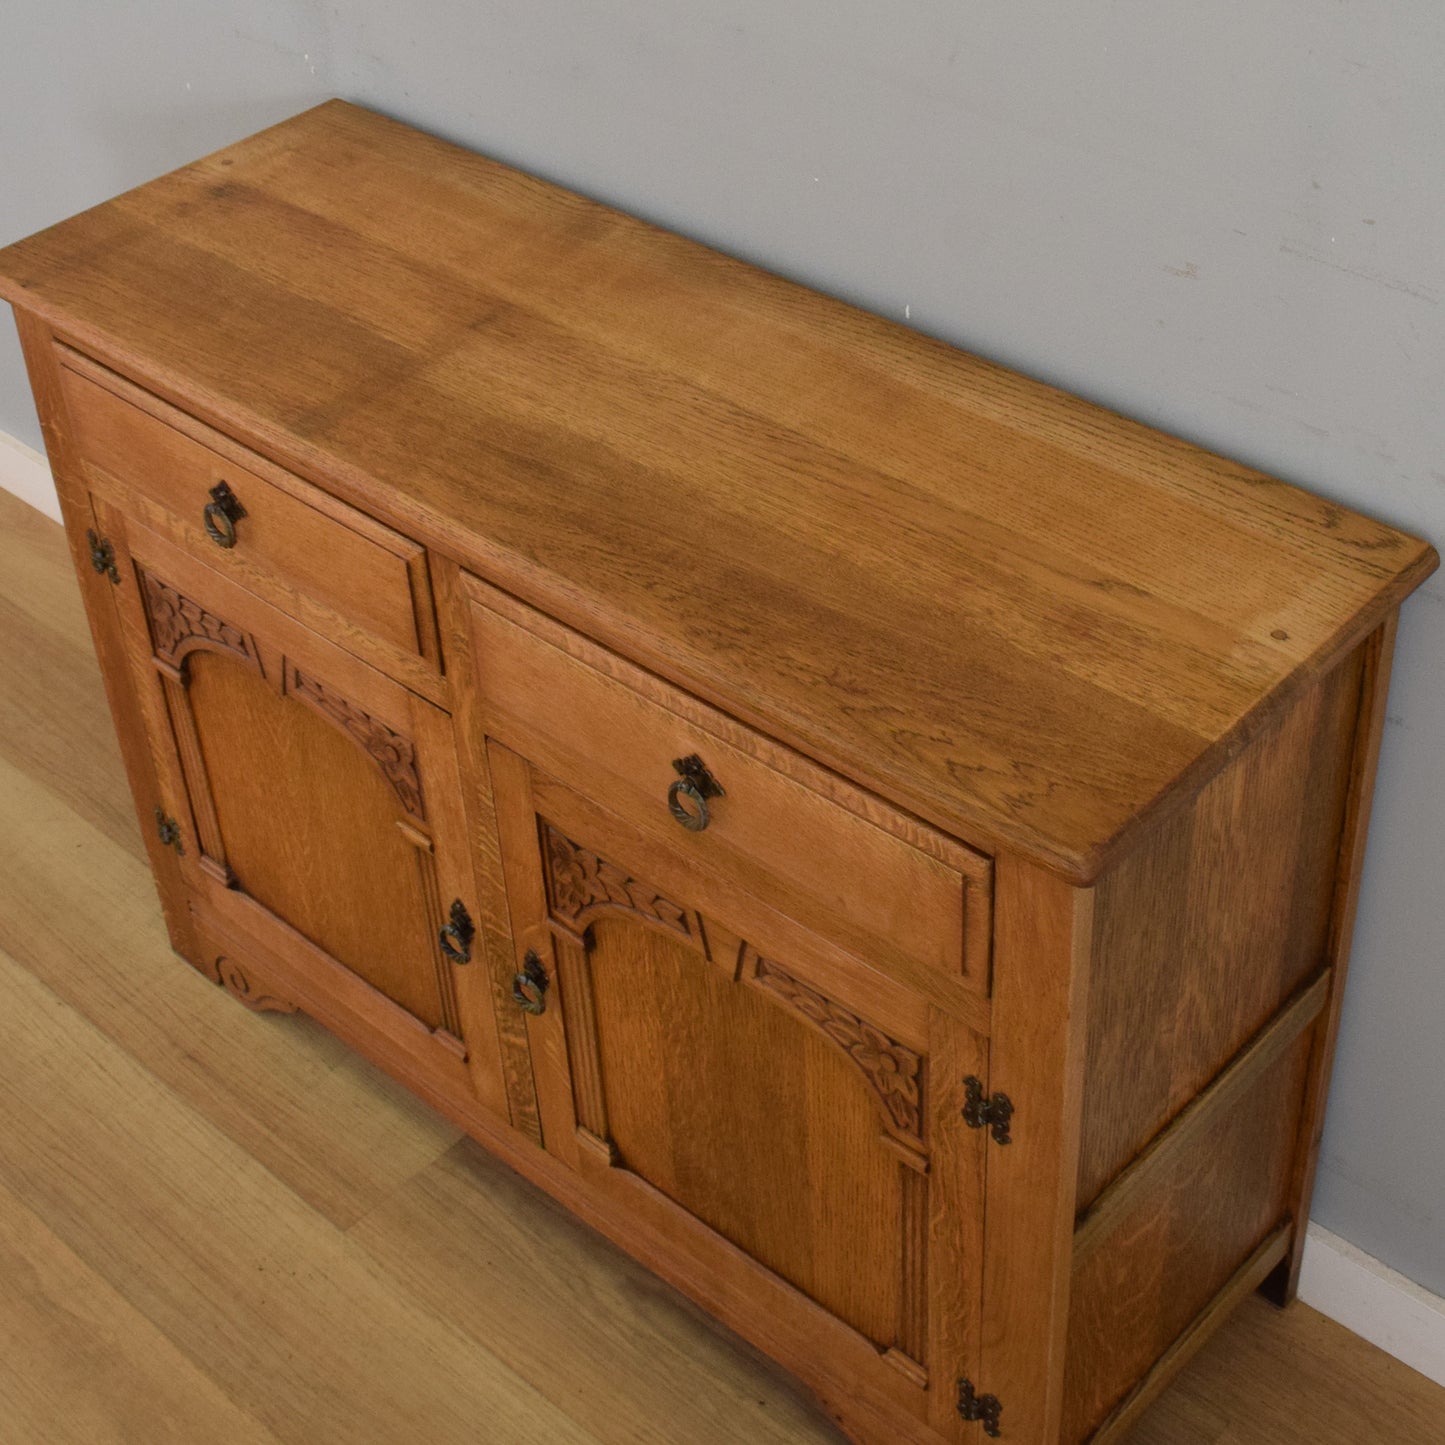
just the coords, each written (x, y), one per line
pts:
(221, 514)
(456, 935)
(697, 785)
(694, 819)
(529, 988)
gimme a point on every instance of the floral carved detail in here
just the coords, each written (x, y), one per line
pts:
(895, 1073)
(179, 626)
(235, 982)
(393, 753)
(579, 882)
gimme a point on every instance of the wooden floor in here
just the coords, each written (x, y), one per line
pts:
(218, 1228)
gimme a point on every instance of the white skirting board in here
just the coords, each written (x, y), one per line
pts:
(25, 473)
(1373, 1301)
(1339, 1280)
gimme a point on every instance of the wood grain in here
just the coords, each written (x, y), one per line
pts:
(365, 586)
(489, 984)
(78, 916)
(211, 1250)
(1295, 1378)
(173, 1196)
(1211, 1204)
(933, 626)
(752, 1122)
(516, 823)
(1119, 1424)
(320, 799)
(54, 721)
(958, 587)
(1378, 656)
(1036, 1058)
(1231, 1092)
(311, 832)
(37, 345)
(778, 1139)
(80, 1365)
(1202, 935)
(852, 981)
(627, 1357)
(839, 864)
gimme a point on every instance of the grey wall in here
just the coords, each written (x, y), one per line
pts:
(1225, 220)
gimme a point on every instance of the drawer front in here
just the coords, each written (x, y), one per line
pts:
(892, 896)
(331, 566)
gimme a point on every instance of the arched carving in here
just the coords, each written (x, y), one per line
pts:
(893, 1072)
(393, 753)
(580, 884)
(179, 625)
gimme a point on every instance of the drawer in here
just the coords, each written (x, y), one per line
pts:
(325, 563)
(878, 883)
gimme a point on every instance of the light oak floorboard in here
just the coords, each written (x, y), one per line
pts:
(252, 1284)
(623, 1353)
(54, 722)
(1293, 1377)
(217, 1226)
(80, 1365)
(35, 565)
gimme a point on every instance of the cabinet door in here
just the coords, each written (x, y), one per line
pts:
(317, 806)
(784, 1117)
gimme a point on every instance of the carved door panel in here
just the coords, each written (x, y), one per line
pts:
(316, 804)
(785, 1117)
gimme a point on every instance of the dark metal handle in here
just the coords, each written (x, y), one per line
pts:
(694, 819)
(221, 514)
(529, 988)
(456, 936)
(697, 785)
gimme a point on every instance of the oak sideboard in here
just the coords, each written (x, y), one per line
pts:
(873, 835)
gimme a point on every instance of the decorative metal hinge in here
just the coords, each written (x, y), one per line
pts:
(102, 556)
(983, 1408)
(169, 832)
(981, 1113)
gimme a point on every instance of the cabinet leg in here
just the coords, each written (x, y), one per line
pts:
(1281, 1283)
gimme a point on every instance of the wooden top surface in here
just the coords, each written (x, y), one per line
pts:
(1024, 618)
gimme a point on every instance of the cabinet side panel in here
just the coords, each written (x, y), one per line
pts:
(1165, 1259)
(1205, 931)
